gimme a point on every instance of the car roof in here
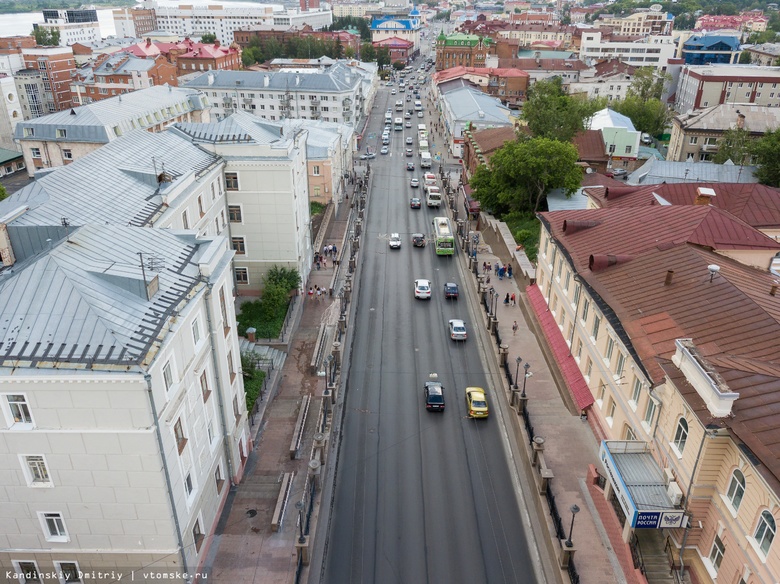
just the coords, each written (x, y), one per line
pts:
(422, 282)
(418, 234)
(434, 387)
(394, 235)
(451, 284)
(457, 322)
(475, 390)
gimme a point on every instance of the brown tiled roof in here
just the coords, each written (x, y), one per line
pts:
(613, 66)
(594, 179)
(590, 145)
(732, 318)
(755, 204)
(494, 138)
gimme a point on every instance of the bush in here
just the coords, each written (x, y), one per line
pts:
(525, 229)
(267, 314)
(253, 379)
(316, 208)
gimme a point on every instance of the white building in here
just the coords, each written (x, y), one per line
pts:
(197, 20)
(620, 138)
(73, 32)
(268, 194)
(10, 112)
(334, 95)
(649, 51)
(116, 450)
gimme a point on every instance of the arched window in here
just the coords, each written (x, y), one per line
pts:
(736, 489)
(681, 435)
(765, 531)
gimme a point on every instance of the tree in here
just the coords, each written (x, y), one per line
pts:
(647, 83)
(349, 52)
(734, 146)
(650, 116)
(766, 151)
(382, 57)
(551, 113)
(399, 65)
(3, 193)
(46, 37)
(367, 52)
(744, 58)
(209, 38)
(523, 172)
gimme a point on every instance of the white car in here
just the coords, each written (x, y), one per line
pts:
(395, 241)
(457, 330)
(384, 150)
(393, 92)
(419, 114)
(409, 140)
(422, 289)
(414, 183)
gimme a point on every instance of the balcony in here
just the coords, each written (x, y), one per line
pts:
(315, 115)
(314, 101)
(347, 102)
(709, 148)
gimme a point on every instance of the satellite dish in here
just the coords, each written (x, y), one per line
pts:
(656, 8)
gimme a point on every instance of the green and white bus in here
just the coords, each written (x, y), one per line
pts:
(443, 236)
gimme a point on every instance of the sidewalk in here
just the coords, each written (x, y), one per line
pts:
(244, 548)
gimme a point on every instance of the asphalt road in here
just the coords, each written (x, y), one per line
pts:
(419, 497)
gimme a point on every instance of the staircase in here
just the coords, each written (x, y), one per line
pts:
(656, 558)
(268, 357)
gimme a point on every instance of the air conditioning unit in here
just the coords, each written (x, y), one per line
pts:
(668, 476)
(674, 493)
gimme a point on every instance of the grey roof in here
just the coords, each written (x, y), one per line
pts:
(240, 127)
(115, 185)
(656, 171)
(338, 78)
(322, 135)
(124, 63)
(468, 104)
(642, 477)
(83, 303)
(758, 118)
(95, 122)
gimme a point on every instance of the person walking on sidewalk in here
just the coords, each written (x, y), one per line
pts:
(514, 328)
(311, 293)
(512, 299)
(506, 300)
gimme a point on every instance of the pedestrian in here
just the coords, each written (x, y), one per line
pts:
(512, 299)
(514, 328)
(484, 267)
(319, 294)
(506, 299)
(501, 273)
(487, 280)
(495, 269)
(317, 263)
(311, 293)
(333, 249)
(324, 263)
(324, 250)
(509, 271)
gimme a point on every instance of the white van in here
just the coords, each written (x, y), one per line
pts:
(418, 106)
(425, 160)
(433, 196)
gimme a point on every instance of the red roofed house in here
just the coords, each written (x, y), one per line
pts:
(753, 21)
(400, 49)
(509, 85)
(144, 49)
(203, 57)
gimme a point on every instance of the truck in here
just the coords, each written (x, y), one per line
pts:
(425, 160)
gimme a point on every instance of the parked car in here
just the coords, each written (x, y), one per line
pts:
(476, 403)
(451, 290)
(415, 203)
(422, 289)
(395, 241)
(418, 239)
(457, 330)
(647, 139)
(617, 172)
(408, 116)
(434, 396)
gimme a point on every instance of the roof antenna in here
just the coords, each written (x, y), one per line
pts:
(66, 223)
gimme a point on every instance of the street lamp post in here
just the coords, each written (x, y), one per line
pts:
(517, 372)
(527, 374)
(301, 538)
(574, 510)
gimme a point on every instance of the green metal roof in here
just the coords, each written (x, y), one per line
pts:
(461, 39)
(8, 155)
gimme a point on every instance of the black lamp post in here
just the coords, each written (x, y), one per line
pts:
(574, 510)
(527, 366)
(301, 538)
(517, 372)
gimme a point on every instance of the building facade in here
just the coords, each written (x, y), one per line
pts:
(49, 69)
(406, 28)
(134, 22)
(461, 50)
(765, 55)
(708, 85)
(711, 50)
(650, 51)
(10, 112)
(651, 22)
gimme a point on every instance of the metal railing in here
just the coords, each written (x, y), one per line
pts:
(573, 575)
(556, 517)
(636, 554)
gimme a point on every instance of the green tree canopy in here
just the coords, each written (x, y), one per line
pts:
(208, 38)
(551, 113)
(46, 37)
(523, 172)
(353, 22)
(734, 146)
(3, 193)
(647, 83)
(766, 152)
(649, 116)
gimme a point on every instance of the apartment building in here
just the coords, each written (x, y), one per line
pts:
(670, 330)
(711, 49)
(509, 85)
(335, 95)
(649, 51)
(697, 135)
(267, 185)
(134, 22)
(388, 26)
(11, 59)
(462, 50)
(354, 9)
(765, 54)
(620, 137)
(644, 23)
(44, 83)
(560, 36)
(610, 79)
(74, 26)
(702, 86)
(124, 403)
(750, 21)
(116, 74)
(62, 138)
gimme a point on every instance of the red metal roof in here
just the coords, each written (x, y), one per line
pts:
(575, 382)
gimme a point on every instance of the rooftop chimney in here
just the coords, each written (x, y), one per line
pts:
(704, 196)
(773, 289)
(266, 80)
(598, 262)
(669, 276)
(740, 120)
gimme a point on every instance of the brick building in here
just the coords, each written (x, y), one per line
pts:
(462, 50)
(399, 49)
(205, 57)
(508, 85)
(53, 67)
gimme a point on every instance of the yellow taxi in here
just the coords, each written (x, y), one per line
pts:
(476, 403)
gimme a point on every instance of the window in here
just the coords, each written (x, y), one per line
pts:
(595, 330)
(26, 572)
(188, 483)
(236, 410)
(585, 310)
(204, 386)
(577, 290)
(588, 368)
(693, 140)
(681, 435)
(231, 181)
(765, 532)
(54, 527)
(67, 154)
(231, 367)
(620, 364)
(185, 220)
(611, 412)
(602, 393)
(178, 432)
(235, 213)
(649, 412)
(628, 149)
(636, 391)
(316, 170)
(610, 349)
(210, 430)
(20, 410)
(566, 281)
(197, 535)
(579, 349)
(736, 489)
(167, 376)
(629, 433)
(36, 471)
(238, 245)
(35, 152)
(218, 478)
(29, 132)
(69, 572)
(242, 275)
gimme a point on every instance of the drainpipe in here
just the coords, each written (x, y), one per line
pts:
(217, 377)
(148, 379)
